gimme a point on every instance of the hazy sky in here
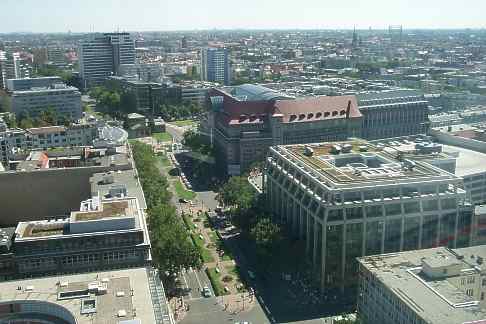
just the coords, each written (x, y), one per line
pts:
(109, 15)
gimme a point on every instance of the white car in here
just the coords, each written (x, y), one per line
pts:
(206, 292)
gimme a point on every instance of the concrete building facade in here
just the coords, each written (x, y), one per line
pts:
(247, 119)
(102, 56)
(393, 113)
(432, 286)
(31, 97)
(351, 199)
(215, 65)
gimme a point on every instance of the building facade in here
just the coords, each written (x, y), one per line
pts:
(432, 286)
(351, 199)
(102, 56)
(393, 113)
(246, 120)
(103, 234)
(31, 99)
(215, 65)
(16, 140)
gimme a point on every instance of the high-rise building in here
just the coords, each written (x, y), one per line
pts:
(432, 286)
(215, 65)
(14, 67)
(352, 199)
(101, 57)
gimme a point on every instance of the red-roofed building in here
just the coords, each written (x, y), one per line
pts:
(247, 119)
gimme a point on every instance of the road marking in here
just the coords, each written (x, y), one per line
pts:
(187, 286)
(198, 282)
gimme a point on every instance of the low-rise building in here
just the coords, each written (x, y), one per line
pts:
(432, 286)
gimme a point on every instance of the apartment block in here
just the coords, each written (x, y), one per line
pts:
(351, 199)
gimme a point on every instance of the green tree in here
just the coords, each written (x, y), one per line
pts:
(171, 246)
(26, 122)
(237, 192)
(267, 237)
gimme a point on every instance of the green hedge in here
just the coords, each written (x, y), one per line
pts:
(205, 254)
(214, 277)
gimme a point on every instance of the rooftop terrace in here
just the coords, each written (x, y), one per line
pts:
(356, 162)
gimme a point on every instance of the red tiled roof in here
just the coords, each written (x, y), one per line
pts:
(317, 108)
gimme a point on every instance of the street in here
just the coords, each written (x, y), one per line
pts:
(277, 300)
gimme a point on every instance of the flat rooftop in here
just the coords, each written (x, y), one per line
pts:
(90, 210)
(110, 209)
(435, 300)
(125, 178)
(468, 162)
(357, 163)
(101, 296)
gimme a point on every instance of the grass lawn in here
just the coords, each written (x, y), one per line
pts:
(182, 192)
(205, 254)
(215, 279)
(162, 137)
(182, 123)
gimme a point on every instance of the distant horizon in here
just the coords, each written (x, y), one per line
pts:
(56, 16)
(246, 29)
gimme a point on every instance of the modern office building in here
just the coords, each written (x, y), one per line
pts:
(104, 233)
(102, 56)
(147, 96)
(464, 162)
(245, 120)
(215, 65)
(393, 113)
(351, 199)
(28, 84)
(432, 286)
(55, 56)
(147, 72)
(29, 98)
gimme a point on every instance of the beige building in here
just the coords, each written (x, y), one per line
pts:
(433, 286)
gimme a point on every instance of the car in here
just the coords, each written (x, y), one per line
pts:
(183, 201)
(206, 292)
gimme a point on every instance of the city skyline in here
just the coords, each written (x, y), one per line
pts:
(152, 15)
